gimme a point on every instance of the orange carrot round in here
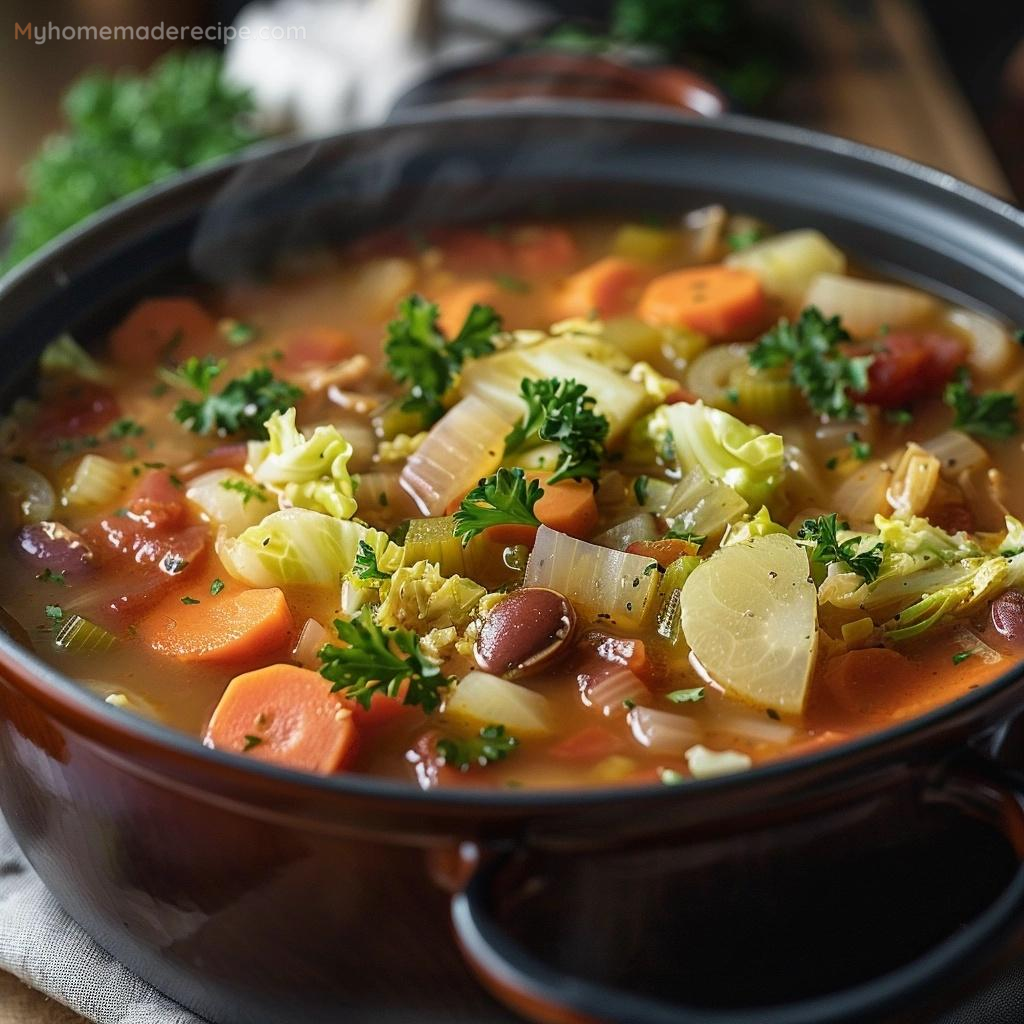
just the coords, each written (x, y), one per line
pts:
(229, 627)
(568, 507)
(286, 715)
(664, 552)
(608, 287)
(170, 329)
(719, 301)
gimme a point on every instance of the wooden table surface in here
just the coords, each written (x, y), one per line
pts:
(876, 78)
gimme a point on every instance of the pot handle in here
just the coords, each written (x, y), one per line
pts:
(547, 995)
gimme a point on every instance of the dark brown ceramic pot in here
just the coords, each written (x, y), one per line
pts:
(861, 883)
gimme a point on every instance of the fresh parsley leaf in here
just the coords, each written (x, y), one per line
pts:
(199, 373)
(250, 742)
(189, 600)
(961, 656)
(506, 498)
(562, 411)
(216, 587)
(859, 449)
(54, 612)
(690, 696)
(375, 661)
(365, 566)
(901, 417)
(243, 406)
(49, 576)
(247, 490)
(823, 532)
(237, 333)
(125, 427)
(419, 355)
(490, 745)
(817, 365)
(693, 538)
(640, 488)
(991, 414)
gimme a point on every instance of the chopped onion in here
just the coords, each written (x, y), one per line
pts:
(957, 453)
(224, 498)
(482, 699)
(913, 482)
(703, 505)
(863, 494)
(985, 494)
(663, 732)
(30, 490)
(620, 536)
(466, 444)
(382, 498)
(702, 232)
(312, 637)
(867, 306)
(380, 283)
(967, 640)
(610, 688)
(724, 716)
(709, 764)
(618, 587)
(991, 350)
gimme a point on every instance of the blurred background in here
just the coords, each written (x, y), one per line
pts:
(941, 81)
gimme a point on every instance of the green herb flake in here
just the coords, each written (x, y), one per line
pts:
(49, 576)
(189, 600)
(216, 587)
(511, 283)
(991, 414)
(237, 332)
(249, 492)
(962, 656)
(251, 742)
(54, 612)
(823, 533)
(506, 498)
(690, 696)
(491, 744)
(125, 427)
(899, 417)
(641, 485)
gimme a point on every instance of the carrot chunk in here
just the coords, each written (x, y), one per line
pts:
(156, 329)
(568, 507)
(716, 300)
(286, 715)
(664, 552)
(231, 627)
(608, 287)
(456, 302)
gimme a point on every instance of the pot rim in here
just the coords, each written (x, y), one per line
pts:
(68, 700)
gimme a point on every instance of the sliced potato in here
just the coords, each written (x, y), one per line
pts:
(787, 263)
(750, 616)
(866, 307)
(482, 699)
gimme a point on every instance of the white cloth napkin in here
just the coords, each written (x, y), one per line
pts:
(43, 947)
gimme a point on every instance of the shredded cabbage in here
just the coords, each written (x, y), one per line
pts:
(294, 545)
(1013, 543)
(310, 473)
(419, 597)
(743, 456)
(749, 527)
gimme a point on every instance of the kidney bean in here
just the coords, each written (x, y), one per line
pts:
(530, 630)
(1008, 615)
(51, 545)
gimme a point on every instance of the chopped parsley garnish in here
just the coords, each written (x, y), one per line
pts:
(247, 490)
(490, 745)
(419, 355)
(859, 449)
(250, 742)
(49, 576)
(54, 612)
(242, 406)
(900, 417)
(189, 600)
(690, 696)
(365, 566)
(991, 414)
(693, 538)
(740, 240)
(823, 532)
(961, 656)
(506, 498)
(216, 587)
(198, 374)
(561, 411)
(810, 348)
(640, 488)
(237, 333)
(379, 661)
(125, 427)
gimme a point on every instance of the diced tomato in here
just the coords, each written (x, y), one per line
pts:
(908, 367)
(80, 410)
(542, 249)
(314, 346)
(590, 744)
(383, 711)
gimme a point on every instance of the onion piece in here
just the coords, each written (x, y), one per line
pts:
(703, 505)
(991, 350)
(312, 637)
(913, 482)
(618, 587)
(95, 481)
(662, 732)
(230, 499)
(620, 536)
(480, 698)
(610, 688)
(867, 306)
(730, 718)
(702, 232)
(28, 490)
(466, 444)
(957, 453)
(864, 494)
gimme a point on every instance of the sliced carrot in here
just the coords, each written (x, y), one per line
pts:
(664, 552)
(162, 329)
(313, 346)
(568, 507)
(229, 627)
(716, 300)
(286, 715)
(456, 302)
(543, 249)
(608, 287)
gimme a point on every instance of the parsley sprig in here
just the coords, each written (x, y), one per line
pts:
(818, 367)
(242, 406)
(561, 411)
(503, 499)
(419, 355)
(823, 532)
(365, 565)
(380, 661)
(990, 414)
(491, 744)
